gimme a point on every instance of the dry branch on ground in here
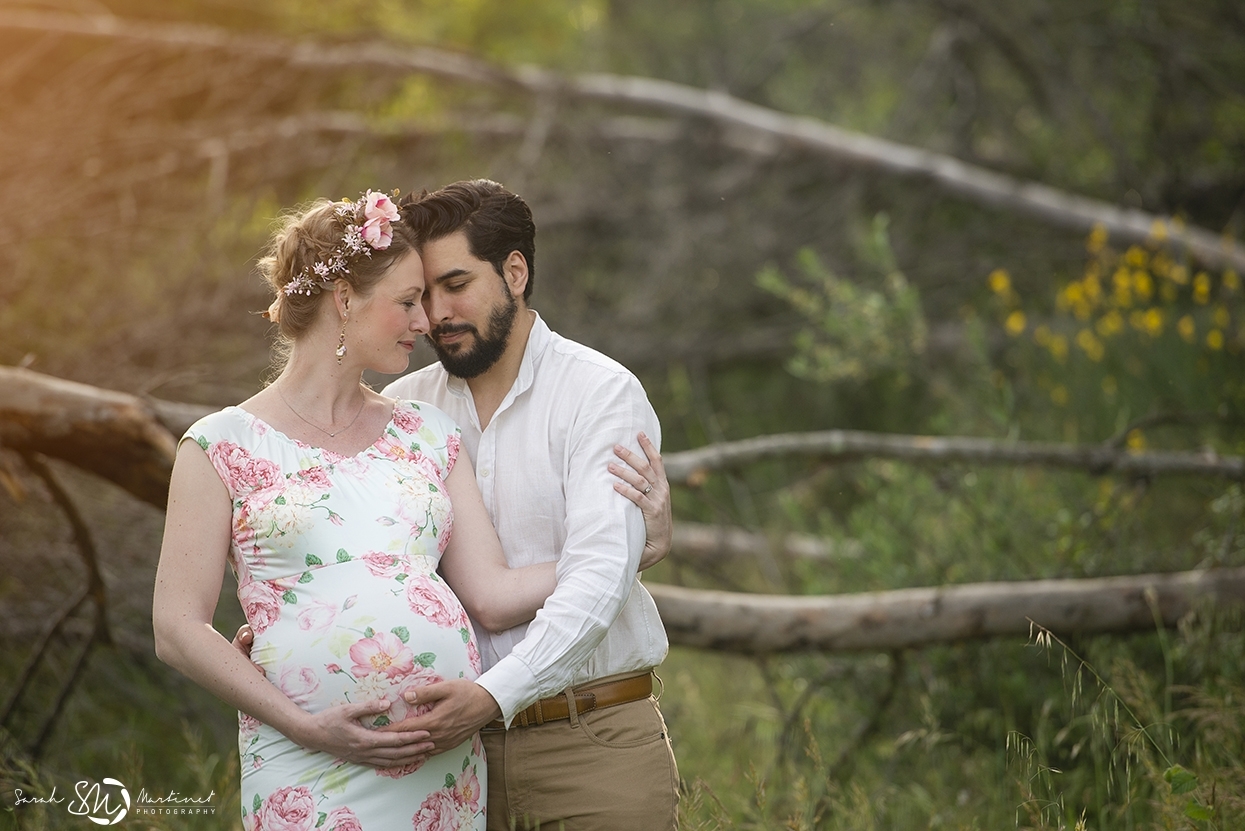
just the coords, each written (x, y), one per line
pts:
(878, 621)
(689, 466)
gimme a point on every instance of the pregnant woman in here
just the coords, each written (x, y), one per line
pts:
(343, 514)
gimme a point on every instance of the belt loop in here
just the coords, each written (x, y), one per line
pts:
(571, 709)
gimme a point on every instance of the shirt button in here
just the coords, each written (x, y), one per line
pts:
(484, 472)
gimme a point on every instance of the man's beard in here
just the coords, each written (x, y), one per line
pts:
(489, 347)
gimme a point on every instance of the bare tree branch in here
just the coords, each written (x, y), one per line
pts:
(699, 542)
(1038, 200)
(131, 441)
(82, 541)
(690, 466)
(883, 621)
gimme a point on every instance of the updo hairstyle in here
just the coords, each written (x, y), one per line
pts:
(309, 236)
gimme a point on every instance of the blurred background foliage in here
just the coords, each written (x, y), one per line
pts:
(756, 288)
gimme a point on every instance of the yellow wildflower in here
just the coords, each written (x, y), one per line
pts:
(1201, 287)
(1015, 323)
(1143, 285)
(1073, 294)
(1220, 316)
(1110, 324)
(1059, 395)
(1090, 345)
(1000, 282)
(1158, 230)
(1231, 280)
(1137, 257)
(1214, 340)
(1123, 287)
(1186, 328)
(1153, 322)
(1097, 238)
(1136, 440)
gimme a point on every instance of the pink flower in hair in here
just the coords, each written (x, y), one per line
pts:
(378, 205)
(378, 211)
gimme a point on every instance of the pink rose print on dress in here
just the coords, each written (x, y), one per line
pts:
(384, 565)
(382, 653)
(318, 617)
(433, 600)
(247, 725)
(261, 603)
(406, 419)
(288, 809)
(421, 677)
(467, 791)
(439, 812)
(316, 476)
(398, 773)
(342, 819)
(242, 471)
(299, 684)
(401, 709)
(473, 655)
(452, 444)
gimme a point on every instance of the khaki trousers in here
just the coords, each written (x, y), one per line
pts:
(606, 770)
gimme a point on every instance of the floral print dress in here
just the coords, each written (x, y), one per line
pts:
(336, 560)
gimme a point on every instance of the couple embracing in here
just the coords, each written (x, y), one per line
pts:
(363, 539)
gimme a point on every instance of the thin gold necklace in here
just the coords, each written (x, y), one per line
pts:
(330, 434)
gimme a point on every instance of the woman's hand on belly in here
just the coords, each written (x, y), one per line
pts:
(336, 730)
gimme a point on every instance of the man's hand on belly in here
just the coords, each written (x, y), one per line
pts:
(459, 709)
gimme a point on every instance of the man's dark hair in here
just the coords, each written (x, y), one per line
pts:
(494, 220)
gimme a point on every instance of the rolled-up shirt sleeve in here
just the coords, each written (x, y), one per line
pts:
(597, 567)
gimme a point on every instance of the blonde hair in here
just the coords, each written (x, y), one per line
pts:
(310, 235)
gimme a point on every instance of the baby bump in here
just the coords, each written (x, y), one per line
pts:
(359, 631)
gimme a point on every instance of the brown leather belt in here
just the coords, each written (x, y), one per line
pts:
(587, 699)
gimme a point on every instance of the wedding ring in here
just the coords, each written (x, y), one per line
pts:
(647, 490)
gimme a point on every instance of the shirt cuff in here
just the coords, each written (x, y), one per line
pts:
(513, 686)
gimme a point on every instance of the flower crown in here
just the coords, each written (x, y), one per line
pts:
(368, 227)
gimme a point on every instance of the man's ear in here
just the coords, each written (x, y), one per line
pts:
(514, 271)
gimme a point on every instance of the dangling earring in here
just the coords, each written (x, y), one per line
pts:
(341, 344)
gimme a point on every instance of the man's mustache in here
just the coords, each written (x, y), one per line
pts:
(450, 329)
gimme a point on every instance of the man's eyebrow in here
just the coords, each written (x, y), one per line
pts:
(451, 274)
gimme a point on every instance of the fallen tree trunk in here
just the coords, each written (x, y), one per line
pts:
(844, 146)
(700, 542)
(111, 434)
(879, 621)
(690, 466)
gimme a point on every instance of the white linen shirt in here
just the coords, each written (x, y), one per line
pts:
(542, 469)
